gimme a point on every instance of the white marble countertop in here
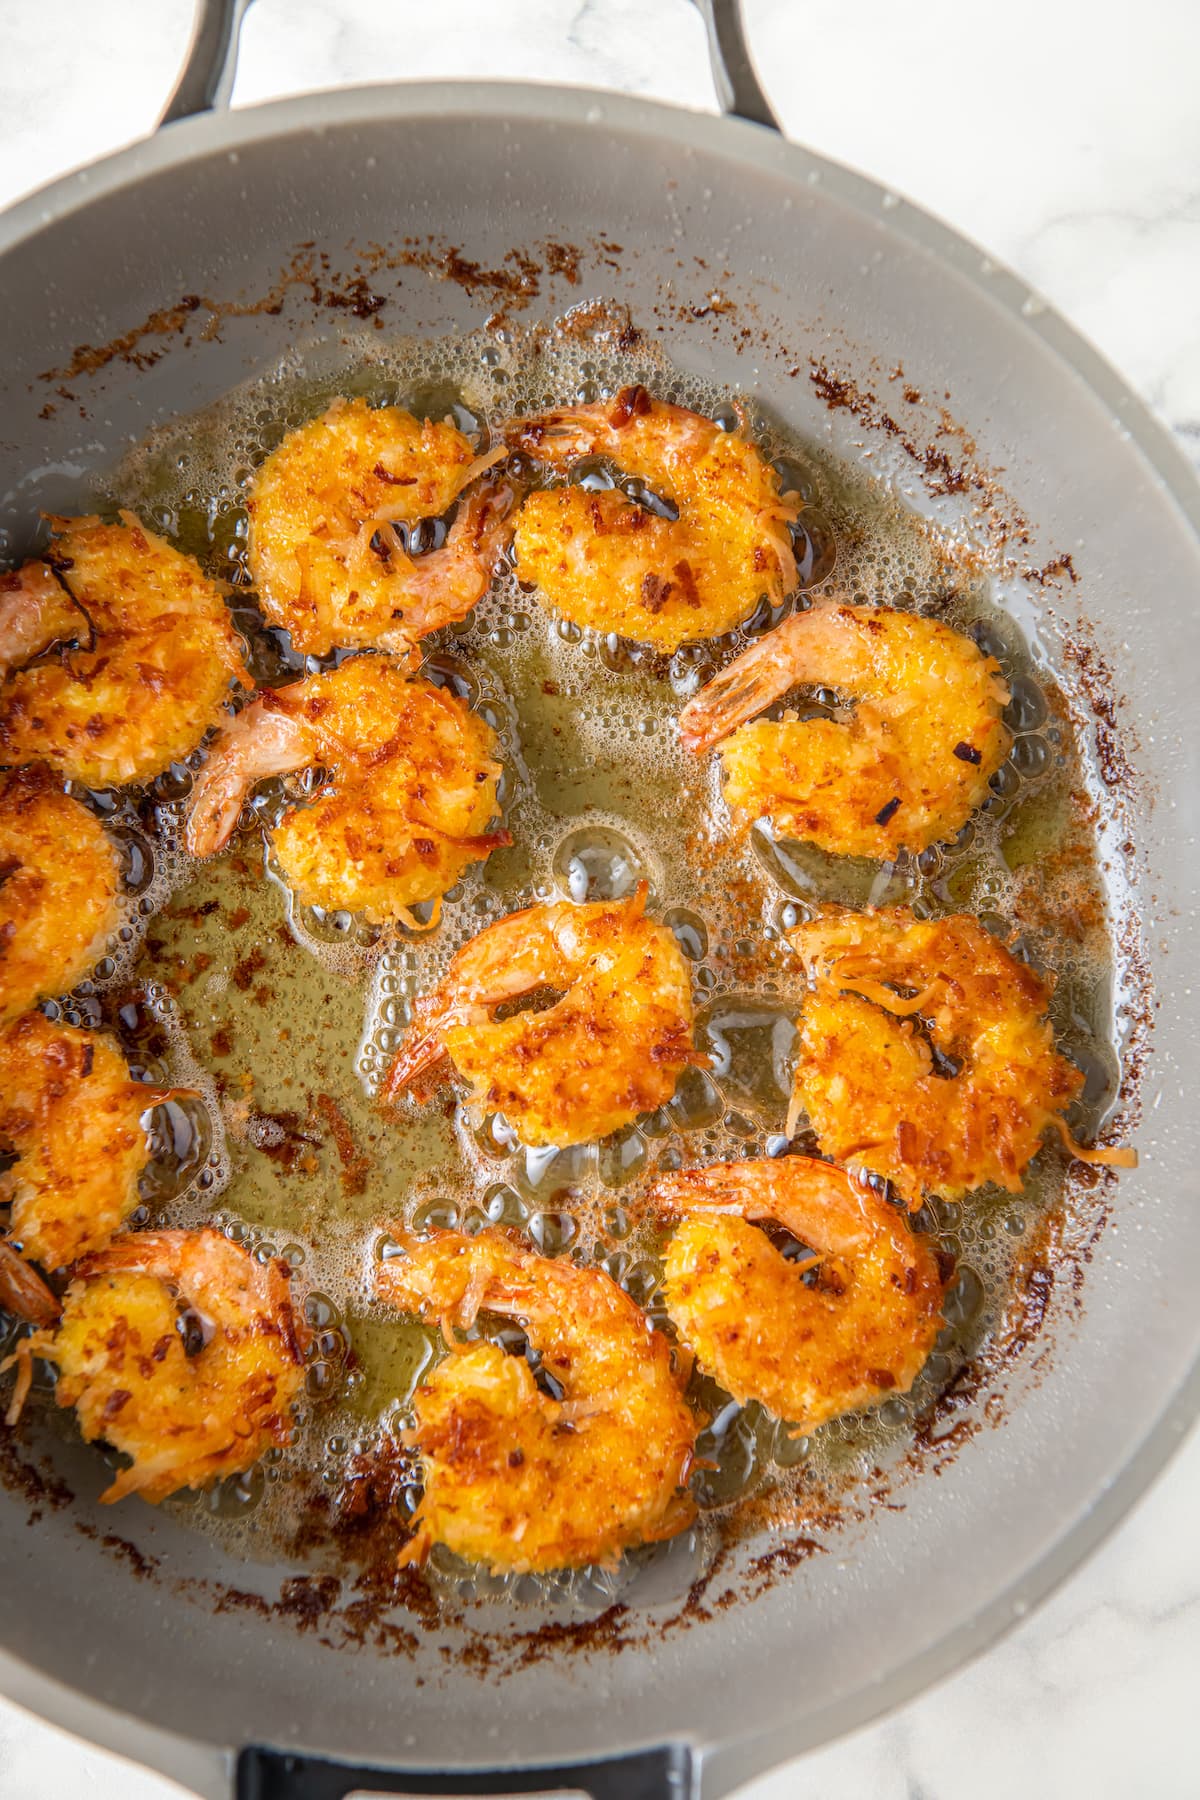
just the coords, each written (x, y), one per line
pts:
(1067, 140)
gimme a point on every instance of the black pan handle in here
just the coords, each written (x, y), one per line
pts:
(734, 75)
(666, 1774)
(207, 77)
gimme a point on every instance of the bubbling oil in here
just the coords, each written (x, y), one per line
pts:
(284, 1019)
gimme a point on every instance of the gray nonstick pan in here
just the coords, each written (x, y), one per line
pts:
(145, 287)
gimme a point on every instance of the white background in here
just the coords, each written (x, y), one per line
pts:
(1065, 137)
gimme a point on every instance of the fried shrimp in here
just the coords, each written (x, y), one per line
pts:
(611, 1046)
(181, 1351)
(154, 656)
(517, 1478)
(59, 882)
(943, 1113)
(72, 1112)
(905, 768)
(324, 550)
(604, 561)
(836, 1330)
(410, 790)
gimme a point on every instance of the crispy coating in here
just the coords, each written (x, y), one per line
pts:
(181, 1351)
(809, 1339)
(327, 561)
(905, 768)
(411, 787)
(59, 882)
(155, 657)
(72, 1112)
(518, 1480)
(866, 1075)
(610, 1047)
(605, 562)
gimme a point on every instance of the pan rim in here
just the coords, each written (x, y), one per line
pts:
(725, 1760)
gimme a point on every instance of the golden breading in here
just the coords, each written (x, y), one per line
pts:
(518, 1480)
(59, 882)
(157, 652)
(181, 1351)
(411, 788)
(326, 559)
(72, 1112)
(865, 1074)
(907, 767)
(602, 561)
(610, 1047)
(807, 1348)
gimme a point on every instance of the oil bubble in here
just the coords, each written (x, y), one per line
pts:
(1026, 708)
(750, 1044)
(436, 1215)
(691, 933)
(1030, 756)
(179, 1138)
(696, 1101)
(597, 863)
(552, 1174)
(621, 1157)
(553, 1232)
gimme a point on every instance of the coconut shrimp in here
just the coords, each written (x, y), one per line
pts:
(610, 1047)
(517, 1478)
(603, 561)
(904, 769)
(150, 671)
(411, 787)
(943, 1113)
(179, 1350)
(324, 551)
(59, 882)
(812, 1338)
(73, 1114)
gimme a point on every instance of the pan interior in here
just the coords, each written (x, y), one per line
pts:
(282, 1018)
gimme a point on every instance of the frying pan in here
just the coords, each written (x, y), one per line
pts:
(828, 288)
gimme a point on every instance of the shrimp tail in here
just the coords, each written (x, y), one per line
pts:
(263, 740)
(756, 678)
(441, 587)
(421, 1064)
(415, 1554)
(36, 612)
(22, 1290)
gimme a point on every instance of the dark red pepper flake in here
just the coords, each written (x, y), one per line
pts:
(968, 753)
(887, 812)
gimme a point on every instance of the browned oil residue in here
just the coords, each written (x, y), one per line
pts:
(1095, 679)
(943, 474)
(518, 280)
(141, 1563)
(355, 1166)
(38, 1485)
